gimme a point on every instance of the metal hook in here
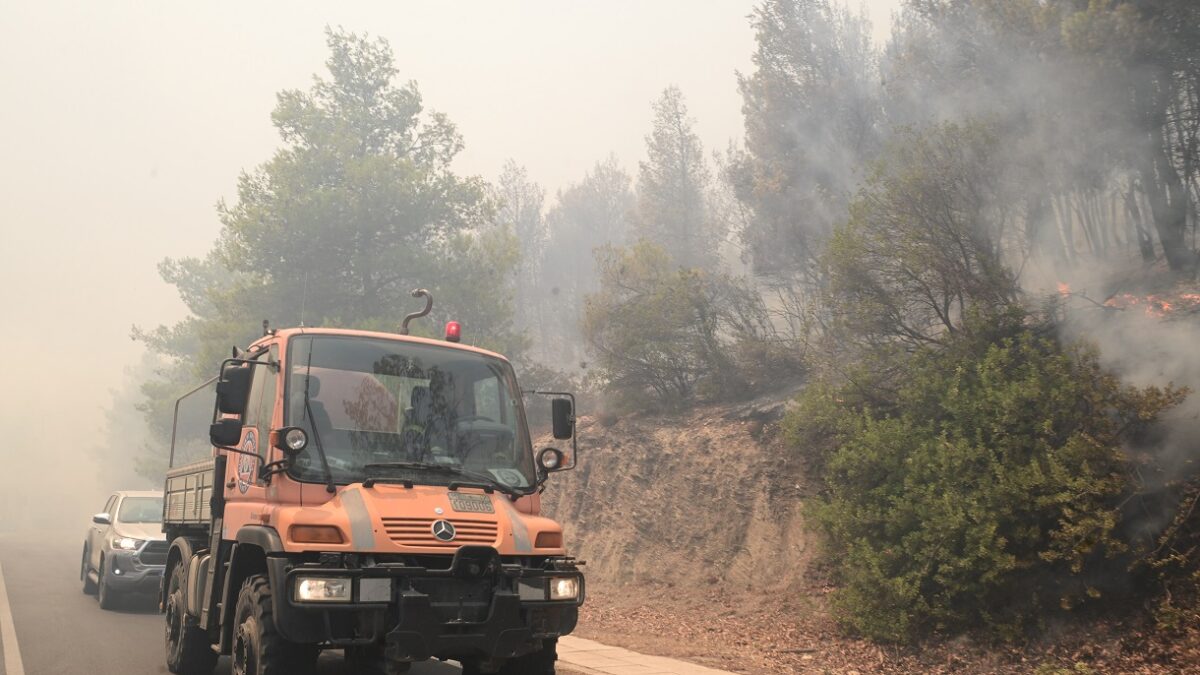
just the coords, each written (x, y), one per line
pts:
(418, 293)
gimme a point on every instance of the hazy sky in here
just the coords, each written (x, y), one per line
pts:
(124, 122)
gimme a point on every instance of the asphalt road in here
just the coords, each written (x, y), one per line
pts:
(60, 631)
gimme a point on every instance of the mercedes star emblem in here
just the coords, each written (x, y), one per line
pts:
(443, 530)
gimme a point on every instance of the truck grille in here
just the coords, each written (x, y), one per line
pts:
(419, 532)
(154, 553)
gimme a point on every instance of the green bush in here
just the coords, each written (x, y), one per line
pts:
(667, 335)
(982, 489)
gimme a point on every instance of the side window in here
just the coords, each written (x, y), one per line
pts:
(262, 395)
(112, 507)
(252, 401)
(269, 382)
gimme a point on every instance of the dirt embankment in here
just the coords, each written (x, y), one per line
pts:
(693, 530)
(706, 501)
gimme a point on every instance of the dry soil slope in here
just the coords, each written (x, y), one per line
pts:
(706, 497)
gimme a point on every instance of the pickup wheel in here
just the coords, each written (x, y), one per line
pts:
(89, 586)
(188, 650)
(108, 599)
(258, 648)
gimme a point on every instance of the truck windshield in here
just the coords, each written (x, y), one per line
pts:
(377, 401)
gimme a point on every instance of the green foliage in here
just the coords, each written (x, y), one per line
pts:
(985, 491)
(1110, 85)
(674, 185)
(357, 208)
(928, 240)
(664, 333)
(812, 116)
(597, 211)
(519, 207)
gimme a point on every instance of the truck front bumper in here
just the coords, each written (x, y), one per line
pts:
(479, 607)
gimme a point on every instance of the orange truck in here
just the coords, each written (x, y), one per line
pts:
(371, 492)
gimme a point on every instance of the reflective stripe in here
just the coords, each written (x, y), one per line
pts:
(520, 532)
(362, 532)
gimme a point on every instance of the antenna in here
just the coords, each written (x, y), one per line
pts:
(303, 297)
(266, 327)
(418, 293)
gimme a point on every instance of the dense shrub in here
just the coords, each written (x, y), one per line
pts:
(667, 335)
(984, 489)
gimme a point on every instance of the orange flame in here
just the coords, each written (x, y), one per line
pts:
(1064, 288)
(1155, 306)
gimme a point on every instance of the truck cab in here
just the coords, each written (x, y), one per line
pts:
(371, 492)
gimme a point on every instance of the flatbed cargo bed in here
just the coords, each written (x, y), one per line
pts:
(188, 494)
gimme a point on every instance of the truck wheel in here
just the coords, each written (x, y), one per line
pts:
(369, 660)
(258, 648)
(540, 662)
(107, 597)
(188, 650)
(89, 586)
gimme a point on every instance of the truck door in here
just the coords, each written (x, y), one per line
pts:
(242, 486)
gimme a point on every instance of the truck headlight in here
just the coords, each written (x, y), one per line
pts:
(126, 543)
(564, 588)
(322, 589)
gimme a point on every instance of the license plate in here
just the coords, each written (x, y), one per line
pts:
(471, 503)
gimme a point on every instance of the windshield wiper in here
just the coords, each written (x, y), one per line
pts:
(312, 423)
(486, 482)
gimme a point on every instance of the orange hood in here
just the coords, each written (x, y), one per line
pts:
(387, 518)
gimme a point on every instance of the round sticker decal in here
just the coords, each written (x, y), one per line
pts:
(247, 464)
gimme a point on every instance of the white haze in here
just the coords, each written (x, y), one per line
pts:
(124, 122)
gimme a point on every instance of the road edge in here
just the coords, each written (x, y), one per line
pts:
(8, 634)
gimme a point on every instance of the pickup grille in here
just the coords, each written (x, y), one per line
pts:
(418, 532)
(154, 553)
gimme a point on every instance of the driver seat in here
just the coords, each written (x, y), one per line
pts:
(424, 429)
(320, 417)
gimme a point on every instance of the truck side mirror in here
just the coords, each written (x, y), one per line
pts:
(225, 432)
(563, 415)
(102, 519)
(233, 389)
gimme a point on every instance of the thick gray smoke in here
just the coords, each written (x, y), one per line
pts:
(1145, 349)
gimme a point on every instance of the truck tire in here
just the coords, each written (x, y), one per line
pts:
(369, 660)
(188, 649)
(540, 662)
(89, 586)
(108, 598)
(258, 648)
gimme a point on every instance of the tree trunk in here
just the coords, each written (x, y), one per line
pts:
(1145, 243)
(1162, 183)
(1168, 205)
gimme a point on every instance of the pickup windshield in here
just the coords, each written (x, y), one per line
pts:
(376, 402)
(140, 510)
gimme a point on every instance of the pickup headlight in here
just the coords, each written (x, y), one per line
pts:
(564, 588)
(126, 543)
(323, 589)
